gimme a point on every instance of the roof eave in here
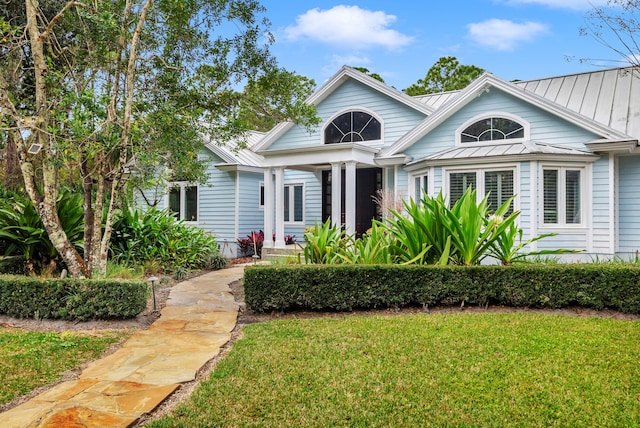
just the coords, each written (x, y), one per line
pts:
(608, 146)
(545, 157)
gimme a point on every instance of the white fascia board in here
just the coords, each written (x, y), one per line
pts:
(627, 146)
(220, 152)
(545, 157)
(484, 83)
(399, 159)
(320, 155)
(329, 87)
(238, 167)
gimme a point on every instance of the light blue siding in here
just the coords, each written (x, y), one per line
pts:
(545, 128)
(217, 208)
(523, 194)
(397, 119)
(312, 200)
(402, 183)
(250, 215)
(600, 207)
(629, 204)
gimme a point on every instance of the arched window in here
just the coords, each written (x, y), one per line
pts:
(352, 127)
(491, 129)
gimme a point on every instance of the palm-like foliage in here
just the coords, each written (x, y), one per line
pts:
(324, 242)
(429, 232)
(373, 248)
(508, 247)
(156, 235)
(23, 231)
(473, 231)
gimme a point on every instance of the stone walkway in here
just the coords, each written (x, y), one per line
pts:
(116, 390)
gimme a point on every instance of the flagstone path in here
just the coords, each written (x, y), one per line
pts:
(116, 390)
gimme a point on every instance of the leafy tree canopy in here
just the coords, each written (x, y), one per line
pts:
(101, 87)
(447, 74)
(367, 72)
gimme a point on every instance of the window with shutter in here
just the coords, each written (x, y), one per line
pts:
(562, 196)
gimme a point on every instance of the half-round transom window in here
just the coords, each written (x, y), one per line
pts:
(352, 127)
(492, 128)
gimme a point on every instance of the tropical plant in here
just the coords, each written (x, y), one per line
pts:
(472, 229)
(324, 243)
(420, 237)
(156, 236)
(24, 234)
(374, 247)
(252, 244)
(508, 247)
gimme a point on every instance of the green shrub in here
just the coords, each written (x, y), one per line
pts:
(71, 299)
(156, 236)
(346, 287)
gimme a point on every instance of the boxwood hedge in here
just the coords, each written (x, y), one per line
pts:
(71, 299)
(347, 287)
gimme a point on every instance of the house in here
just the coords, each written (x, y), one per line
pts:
(566, 147)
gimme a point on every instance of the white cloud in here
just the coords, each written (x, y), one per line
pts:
(563, 4)
(349, 26)
(503, 34)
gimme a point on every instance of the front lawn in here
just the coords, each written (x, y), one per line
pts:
(31, 359)
(488, 369)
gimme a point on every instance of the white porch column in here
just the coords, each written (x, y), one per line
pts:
(268, 208)
(336, 193)
(279, 208)
(350, 197)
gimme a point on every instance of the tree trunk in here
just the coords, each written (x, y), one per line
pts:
(12, 175)
(45, 204)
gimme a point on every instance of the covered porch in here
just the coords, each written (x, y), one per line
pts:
(349, 176)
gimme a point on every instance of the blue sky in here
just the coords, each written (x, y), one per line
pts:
(402, 39)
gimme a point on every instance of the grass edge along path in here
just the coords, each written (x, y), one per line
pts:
(31, 359)
(490, 369)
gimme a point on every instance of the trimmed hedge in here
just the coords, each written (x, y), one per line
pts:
(348, 287)
(71, 299)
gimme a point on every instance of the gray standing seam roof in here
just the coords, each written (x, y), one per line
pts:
(610, 97)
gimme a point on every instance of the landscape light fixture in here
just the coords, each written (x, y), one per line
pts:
(34, 149)
(152, 279)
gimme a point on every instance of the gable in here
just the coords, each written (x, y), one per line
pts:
(397, 118)
(544, 127)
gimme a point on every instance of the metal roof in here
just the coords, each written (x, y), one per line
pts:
(436, 100)
(521, 148)
(610, 97)
(231, 154)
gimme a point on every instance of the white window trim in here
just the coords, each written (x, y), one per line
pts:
(374, 143)
(525, 124)
(585, 199)
(183, 200)
(260, 193)
(289, 186)
(412, 183)
(480, 170)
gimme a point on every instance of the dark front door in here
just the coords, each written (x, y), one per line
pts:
(368, 182)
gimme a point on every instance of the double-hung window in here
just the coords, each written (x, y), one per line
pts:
(293, 203)
(420, 187)
(183, 201)
(562, 195)
(499, 184)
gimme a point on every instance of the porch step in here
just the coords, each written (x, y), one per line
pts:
(282, 254)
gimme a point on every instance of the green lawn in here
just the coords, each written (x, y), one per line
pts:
(32, 359)
(488, 369)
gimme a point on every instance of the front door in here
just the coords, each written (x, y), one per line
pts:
(368, 182)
